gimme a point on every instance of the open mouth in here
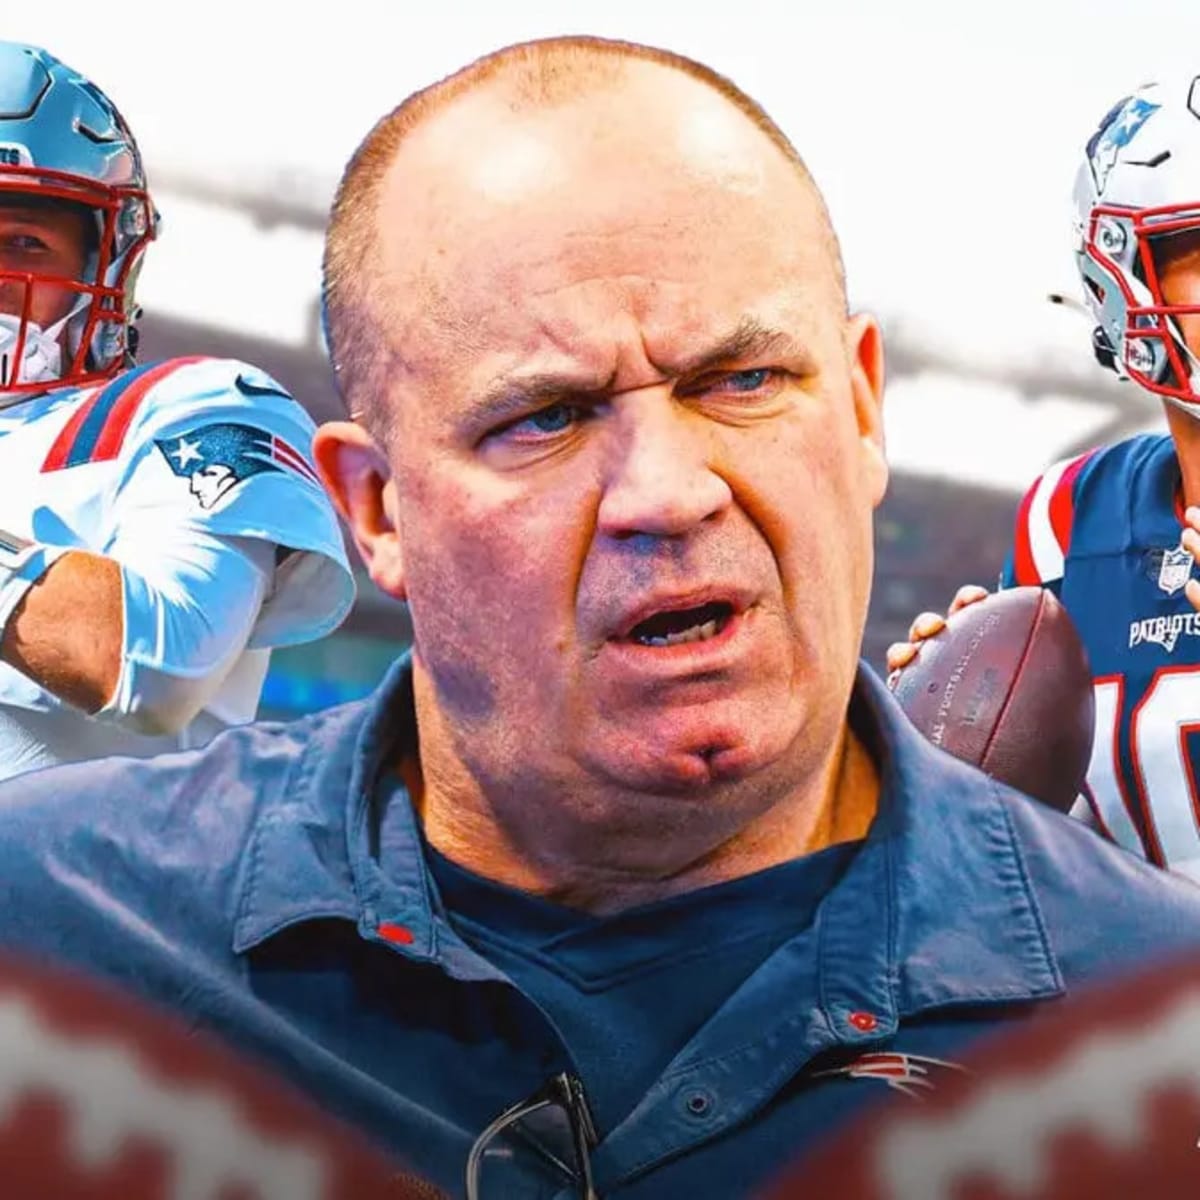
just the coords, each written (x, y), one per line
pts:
(678, 626)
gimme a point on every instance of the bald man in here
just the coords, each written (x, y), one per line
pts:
(629, 880)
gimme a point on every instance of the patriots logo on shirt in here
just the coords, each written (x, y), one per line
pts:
(907, 1073)
(1116, 131)
(216, 458)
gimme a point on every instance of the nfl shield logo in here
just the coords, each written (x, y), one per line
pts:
(1175, 569)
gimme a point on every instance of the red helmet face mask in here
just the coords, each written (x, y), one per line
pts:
(1124, 251)
(89, 343)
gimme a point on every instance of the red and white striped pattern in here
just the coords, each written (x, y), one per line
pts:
(288, 456)
(1043, 532)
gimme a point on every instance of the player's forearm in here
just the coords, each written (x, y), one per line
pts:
(67, 634)
(143, 637)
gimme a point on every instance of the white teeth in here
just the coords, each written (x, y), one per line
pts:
(697, 633)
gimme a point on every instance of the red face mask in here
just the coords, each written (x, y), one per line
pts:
(1119, 242)
(90, 342)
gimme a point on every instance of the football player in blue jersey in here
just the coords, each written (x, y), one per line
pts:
(1113, 532)
(161, 527)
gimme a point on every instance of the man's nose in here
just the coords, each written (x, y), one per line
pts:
(660, 479)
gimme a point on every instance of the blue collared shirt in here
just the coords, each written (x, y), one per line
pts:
(262, 887)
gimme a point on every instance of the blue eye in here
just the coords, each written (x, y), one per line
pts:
(543, 425)
(553, 419)
(748, 381)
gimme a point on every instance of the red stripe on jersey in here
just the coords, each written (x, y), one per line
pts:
(1062, 502)
(292, 458)
(1023, 567)
(116, 426)
(56, 458)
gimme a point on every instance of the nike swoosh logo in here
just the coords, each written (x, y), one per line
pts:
(247, 388)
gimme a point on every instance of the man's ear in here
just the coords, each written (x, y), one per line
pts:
(864, 342)
(359, 480)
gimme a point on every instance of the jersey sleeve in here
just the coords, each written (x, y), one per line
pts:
(1042, 531)
(218, 446)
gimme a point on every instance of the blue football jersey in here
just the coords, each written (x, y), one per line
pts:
(1102, 531)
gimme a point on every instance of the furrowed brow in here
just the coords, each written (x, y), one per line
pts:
(749, 340)
(511, 396)
(514, 396)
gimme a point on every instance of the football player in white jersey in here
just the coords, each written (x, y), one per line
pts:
(161, 527)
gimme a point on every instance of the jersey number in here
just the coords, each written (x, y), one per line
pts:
(1160, 728)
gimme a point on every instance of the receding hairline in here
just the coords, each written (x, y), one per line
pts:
(540, 74)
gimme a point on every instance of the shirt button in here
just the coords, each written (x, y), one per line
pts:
(698, 1103)
(864, 1022)
(399, 935)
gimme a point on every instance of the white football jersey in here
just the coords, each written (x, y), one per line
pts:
(199, 444)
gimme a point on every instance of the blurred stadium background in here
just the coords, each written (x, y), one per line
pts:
(944, 135)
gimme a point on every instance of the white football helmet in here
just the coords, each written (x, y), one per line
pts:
(63, 141)
(1139, 183)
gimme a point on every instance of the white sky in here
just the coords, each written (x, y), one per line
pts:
(944, 133)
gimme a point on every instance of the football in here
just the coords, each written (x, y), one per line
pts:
(103, 1097)
(1007, 686)
(1095, 1096)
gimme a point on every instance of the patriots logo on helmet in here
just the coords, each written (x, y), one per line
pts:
(216, 458)
(1116, 131)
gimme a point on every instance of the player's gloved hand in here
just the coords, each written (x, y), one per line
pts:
(927, 624)
(1190, 541)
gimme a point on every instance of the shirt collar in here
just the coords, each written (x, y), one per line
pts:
(314, 852)
(936, 908)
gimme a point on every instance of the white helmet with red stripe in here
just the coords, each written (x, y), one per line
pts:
(1140, 183)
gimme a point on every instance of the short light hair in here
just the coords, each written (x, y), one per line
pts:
(535, 75)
